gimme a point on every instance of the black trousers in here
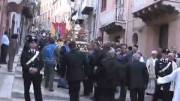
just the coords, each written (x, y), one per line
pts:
(105, 94)
(74, 89)
(123, 92)
(4, 52)
(164, 94)
(88, 86)
(36, 81)
(59, 69)
(137, 94)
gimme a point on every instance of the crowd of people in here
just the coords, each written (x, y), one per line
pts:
(102, 68)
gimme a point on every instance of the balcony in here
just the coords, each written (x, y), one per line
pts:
(113, 20)
(22, 6)
(140, 4)
(87, 6)
(29, 8)
(14, 6)
(150, 9)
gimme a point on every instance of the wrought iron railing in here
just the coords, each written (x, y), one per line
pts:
(119, 10)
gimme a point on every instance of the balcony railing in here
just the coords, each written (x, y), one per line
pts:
(120, 10)
(15, 1)
(114, 15)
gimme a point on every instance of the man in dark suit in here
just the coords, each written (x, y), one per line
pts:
(31, 65)
(137, 78)
(108, 76)
(75, 61)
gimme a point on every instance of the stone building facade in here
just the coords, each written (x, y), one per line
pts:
(151, 24)
(156, 24)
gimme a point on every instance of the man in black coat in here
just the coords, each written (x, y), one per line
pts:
(138, 77)
(108, 76)
(124, 58)
(74, 62)
(31, 69)
(88, 83)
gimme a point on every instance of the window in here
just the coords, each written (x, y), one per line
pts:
(103, 5)
(135, 39)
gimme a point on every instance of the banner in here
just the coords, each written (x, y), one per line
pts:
(59, 30)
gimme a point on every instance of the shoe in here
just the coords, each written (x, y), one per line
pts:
(3, 62)
(46, 86)
(150, 94)
(51, 90)
(10, 71)
(59, 86)
(86, 94)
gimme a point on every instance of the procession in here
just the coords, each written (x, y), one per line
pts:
(89, 50)
(100, 68)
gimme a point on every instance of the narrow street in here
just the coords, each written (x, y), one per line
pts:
(96, 45)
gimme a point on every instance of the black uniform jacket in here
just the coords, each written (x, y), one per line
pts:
(37, 63)
(160, 65)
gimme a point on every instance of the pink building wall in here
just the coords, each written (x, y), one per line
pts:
(148, 33)
(174, 34)
(108, 16)
(3, 16)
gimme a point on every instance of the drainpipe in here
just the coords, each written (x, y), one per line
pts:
(127, 18)
(116, 12)
(2, 17)
(97, 19)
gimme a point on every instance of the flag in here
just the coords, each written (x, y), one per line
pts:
(53, 30)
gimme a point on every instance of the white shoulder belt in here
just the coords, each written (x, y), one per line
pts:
(33, 58)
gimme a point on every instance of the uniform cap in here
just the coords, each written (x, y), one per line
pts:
(32, 39)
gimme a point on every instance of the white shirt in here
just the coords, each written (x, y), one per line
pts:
(174, 76)
(141, 59)
(5, 40)
(150, 64)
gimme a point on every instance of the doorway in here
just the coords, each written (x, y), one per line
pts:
(163, 36)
